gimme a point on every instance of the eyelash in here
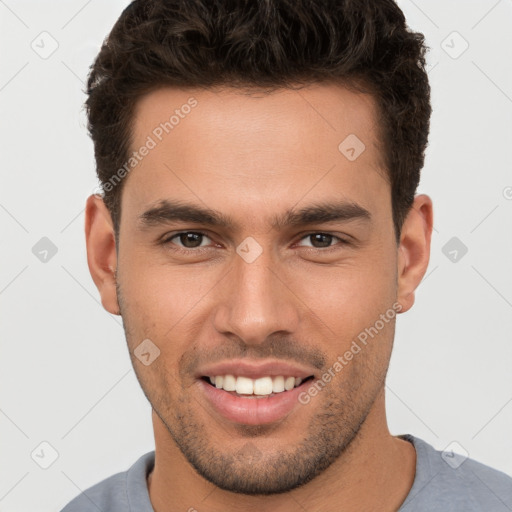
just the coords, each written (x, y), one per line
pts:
(167, 240)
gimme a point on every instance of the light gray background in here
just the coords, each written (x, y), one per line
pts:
(66, 377)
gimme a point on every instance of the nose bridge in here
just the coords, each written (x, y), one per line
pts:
(256, 302)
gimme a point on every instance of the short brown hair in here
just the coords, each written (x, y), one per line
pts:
(263, 44)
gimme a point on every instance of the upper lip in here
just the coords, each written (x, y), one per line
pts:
(254, 369)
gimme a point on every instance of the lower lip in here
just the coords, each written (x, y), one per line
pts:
(252, 411)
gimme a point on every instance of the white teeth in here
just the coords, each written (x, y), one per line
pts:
(278, 384)
(263, 386)
(289, 383)
(244, 386)
(229, 383)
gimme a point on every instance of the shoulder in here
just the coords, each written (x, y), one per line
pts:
(123, 492)
(449, 481)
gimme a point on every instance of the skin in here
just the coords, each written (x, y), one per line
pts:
(304, 300)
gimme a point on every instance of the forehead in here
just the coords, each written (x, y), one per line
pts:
(310, 114)
(228, 148)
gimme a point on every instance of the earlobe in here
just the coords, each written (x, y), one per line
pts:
(101, 251)
(414, 249)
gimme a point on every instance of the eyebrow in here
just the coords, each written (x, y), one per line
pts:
(165, 211)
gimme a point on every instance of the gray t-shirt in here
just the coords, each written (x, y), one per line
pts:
(443, 482)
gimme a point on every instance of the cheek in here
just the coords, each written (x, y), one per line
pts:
(346, 299)
(166, 305)
(161, 292)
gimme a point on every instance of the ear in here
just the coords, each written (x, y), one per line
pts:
(101, 251)
(414, 249)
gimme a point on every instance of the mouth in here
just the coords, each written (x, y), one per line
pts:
(248, 401)
(255, 388)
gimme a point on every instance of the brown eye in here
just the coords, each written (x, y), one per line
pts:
(187, 239)
(321, 240)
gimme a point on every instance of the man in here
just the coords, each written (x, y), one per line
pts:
(258, 233)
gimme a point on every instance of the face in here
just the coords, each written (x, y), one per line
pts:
(251, 246)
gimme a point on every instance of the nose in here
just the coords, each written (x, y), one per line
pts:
(256, 300)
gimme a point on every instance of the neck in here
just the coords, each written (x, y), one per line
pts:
(375, 472)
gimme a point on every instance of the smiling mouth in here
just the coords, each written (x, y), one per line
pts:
(263, 387)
